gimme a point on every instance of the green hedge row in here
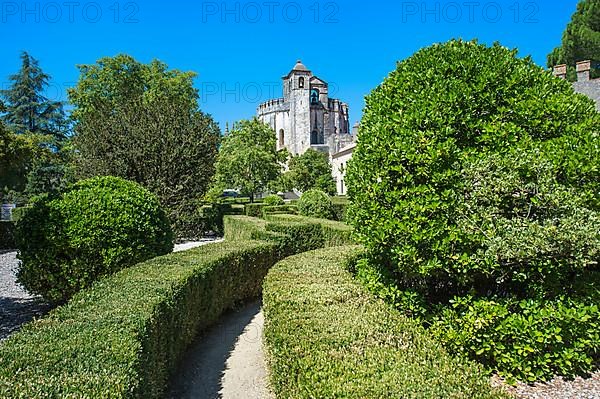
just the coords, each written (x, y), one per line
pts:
(333, 233)
(294, 234)
(279, 210)
(339, 206)
(124, 336)
(327, 337)
(254, 209)
(7, 235)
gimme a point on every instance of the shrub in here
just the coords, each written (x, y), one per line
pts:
(7, 235)
(123, 337)
(476, 173)
(528, 340)
(420, 130)
(316, 204)
(351, 345)
(273, 200)
(99, 226)
(339, 207)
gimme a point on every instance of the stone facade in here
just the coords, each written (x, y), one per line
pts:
(584, 85)
(306, 117)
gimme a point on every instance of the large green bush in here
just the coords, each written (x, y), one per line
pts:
(97, 227)
(476, 173)
(315, 204)
(327, 337)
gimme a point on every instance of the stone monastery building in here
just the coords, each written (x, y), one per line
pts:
(306, 117)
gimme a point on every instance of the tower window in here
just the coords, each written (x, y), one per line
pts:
(281, 138)
(301, 83)
(314, 96)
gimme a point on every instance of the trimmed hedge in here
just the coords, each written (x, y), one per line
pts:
(255, 209)
(279, 210)
(339, 206)
(327, 337)
(333, 233)
(294, 234)
(7, 235)
(124, 336)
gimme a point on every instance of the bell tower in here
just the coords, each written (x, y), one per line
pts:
(297, 95)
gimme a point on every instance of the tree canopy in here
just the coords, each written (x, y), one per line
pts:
(248, 160)
(141, 122)
(311, 170)
(28, 110)
(581, 39)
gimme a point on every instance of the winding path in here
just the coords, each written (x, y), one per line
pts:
(227, 361)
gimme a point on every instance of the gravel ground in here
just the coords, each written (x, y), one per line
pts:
(558, 388)
(16, 305)
(194, 244)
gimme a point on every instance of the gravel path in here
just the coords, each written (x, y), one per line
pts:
(195, 244)
(227, 361)
(16, 305)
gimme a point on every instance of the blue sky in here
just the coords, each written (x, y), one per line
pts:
(240, 50)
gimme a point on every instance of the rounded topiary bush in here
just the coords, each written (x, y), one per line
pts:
(316, 204)
(437, 114)
(476, 177)
(95, 228)
(273, 200)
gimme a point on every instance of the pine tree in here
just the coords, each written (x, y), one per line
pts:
(27, 109)
(581, 39)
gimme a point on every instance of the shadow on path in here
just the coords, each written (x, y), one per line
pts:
(225, 361)
(14, 312)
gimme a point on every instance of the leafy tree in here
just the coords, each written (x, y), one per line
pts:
(311, 170)
(142, 122)
(16, 153)
(36, 127)
(581, 39)
(248, 160)
(27, 109)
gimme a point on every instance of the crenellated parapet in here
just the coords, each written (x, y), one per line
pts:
(274, 105)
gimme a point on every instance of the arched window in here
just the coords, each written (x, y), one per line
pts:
(321, 137)
(281, 138)
(301, 83)
(314, 96)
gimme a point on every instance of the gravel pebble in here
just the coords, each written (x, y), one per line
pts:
(558, 388)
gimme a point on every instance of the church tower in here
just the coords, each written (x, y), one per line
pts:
(297, 94)
(306, 117)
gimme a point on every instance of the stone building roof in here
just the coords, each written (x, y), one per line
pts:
(300, 66)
